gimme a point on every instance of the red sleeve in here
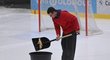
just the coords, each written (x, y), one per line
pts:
(57, 28)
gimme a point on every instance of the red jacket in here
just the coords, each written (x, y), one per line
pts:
(67, 22)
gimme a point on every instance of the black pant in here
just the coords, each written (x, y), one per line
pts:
(68, 47)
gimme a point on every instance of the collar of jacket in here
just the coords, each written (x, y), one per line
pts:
(58, 14)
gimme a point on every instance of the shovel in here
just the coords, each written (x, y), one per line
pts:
(43, 42)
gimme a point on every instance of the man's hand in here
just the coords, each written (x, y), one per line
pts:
(58, 37)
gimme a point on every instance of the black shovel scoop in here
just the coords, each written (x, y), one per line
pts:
(43, 42)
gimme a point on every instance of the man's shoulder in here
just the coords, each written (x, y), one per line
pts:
(64, 11)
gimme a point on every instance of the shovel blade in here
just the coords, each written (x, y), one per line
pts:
(41, 43)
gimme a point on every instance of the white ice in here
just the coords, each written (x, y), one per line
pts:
(19, 26)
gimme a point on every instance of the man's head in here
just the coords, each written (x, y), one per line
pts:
(52, 12)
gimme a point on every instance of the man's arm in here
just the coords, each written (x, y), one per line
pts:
(57, 29)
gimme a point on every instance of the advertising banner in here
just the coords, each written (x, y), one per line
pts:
(103, 6)
(64, 4)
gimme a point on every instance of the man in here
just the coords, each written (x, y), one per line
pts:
(69, 25)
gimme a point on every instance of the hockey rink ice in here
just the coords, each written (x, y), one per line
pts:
(19, 26)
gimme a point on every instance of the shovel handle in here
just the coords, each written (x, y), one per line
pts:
(62, 37)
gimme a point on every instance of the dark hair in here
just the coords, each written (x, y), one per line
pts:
(50, 10)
